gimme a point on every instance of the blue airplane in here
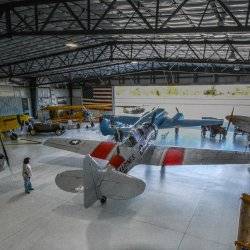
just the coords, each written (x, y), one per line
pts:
(110, 125)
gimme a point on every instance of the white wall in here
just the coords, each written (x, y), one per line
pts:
(190, 100)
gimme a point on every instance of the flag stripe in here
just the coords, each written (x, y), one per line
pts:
(96, 100)
(97, 95)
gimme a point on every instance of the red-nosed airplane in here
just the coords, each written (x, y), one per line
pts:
(107, 163)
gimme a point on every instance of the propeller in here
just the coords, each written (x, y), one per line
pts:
(5, 154)
(177, 110)
(230, 119)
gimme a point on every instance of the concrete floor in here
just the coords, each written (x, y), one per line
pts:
(188, 137)
(187, 207)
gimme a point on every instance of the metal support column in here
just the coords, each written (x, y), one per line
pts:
(33, 98)
(70, 88)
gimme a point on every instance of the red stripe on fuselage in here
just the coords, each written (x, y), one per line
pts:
(102, 150)
(116, 161)
(173, 156)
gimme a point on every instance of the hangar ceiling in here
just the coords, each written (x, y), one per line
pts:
(69, 40)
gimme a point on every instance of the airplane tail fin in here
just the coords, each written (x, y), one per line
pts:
(91, 181)
(109, 183)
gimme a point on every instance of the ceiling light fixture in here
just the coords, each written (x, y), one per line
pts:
(71, 45)
(134, 62)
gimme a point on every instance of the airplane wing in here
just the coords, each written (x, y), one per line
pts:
(168, 156)
(97, 149)
(154, 155)
(190, 123)
(203, 122)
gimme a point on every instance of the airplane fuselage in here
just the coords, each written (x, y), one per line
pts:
(133, 148)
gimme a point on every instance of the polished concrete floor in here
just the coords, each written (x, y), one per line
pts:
(187, 137)
(185, 208)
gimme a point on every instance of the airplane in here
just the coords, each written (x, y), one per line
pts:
(11, 122)
(75, 113)
(241, 123)
(106, 164)
(121, 125)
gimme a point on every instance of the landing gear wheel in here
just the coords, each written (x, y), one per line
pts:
(103, 199)
(32, 132)
(78, 125)
(58, 132)
(13, 136)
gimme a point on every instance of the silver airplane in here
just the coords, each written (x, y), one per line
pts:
(106, 164)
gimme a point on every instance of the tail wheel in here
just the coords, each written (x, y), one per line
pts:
(103, 199)
(78, 125)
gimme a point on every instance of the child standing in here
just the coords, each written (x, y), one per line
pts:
(27, 173)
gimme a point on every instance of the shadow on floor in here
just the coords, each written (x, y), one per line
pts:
(16, 197)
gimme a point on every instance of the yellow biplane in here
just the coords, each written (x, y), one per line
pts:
(10, 123)
(77, 113)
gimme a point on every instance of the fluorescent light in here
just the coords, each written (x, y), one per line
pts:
(71, 45)
(134, 62)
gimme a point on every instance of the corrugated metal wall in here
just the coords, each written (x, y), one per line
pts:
(10, 105)
(11, 99)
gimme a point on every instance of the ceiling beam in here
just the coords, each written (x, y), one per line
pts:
(158, 21)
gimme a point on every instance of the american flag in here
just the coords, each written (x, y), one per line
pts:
(97, 95)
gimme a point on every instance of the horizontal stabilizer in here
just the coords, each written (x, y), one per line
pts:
(99, 182)
(120, 186)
